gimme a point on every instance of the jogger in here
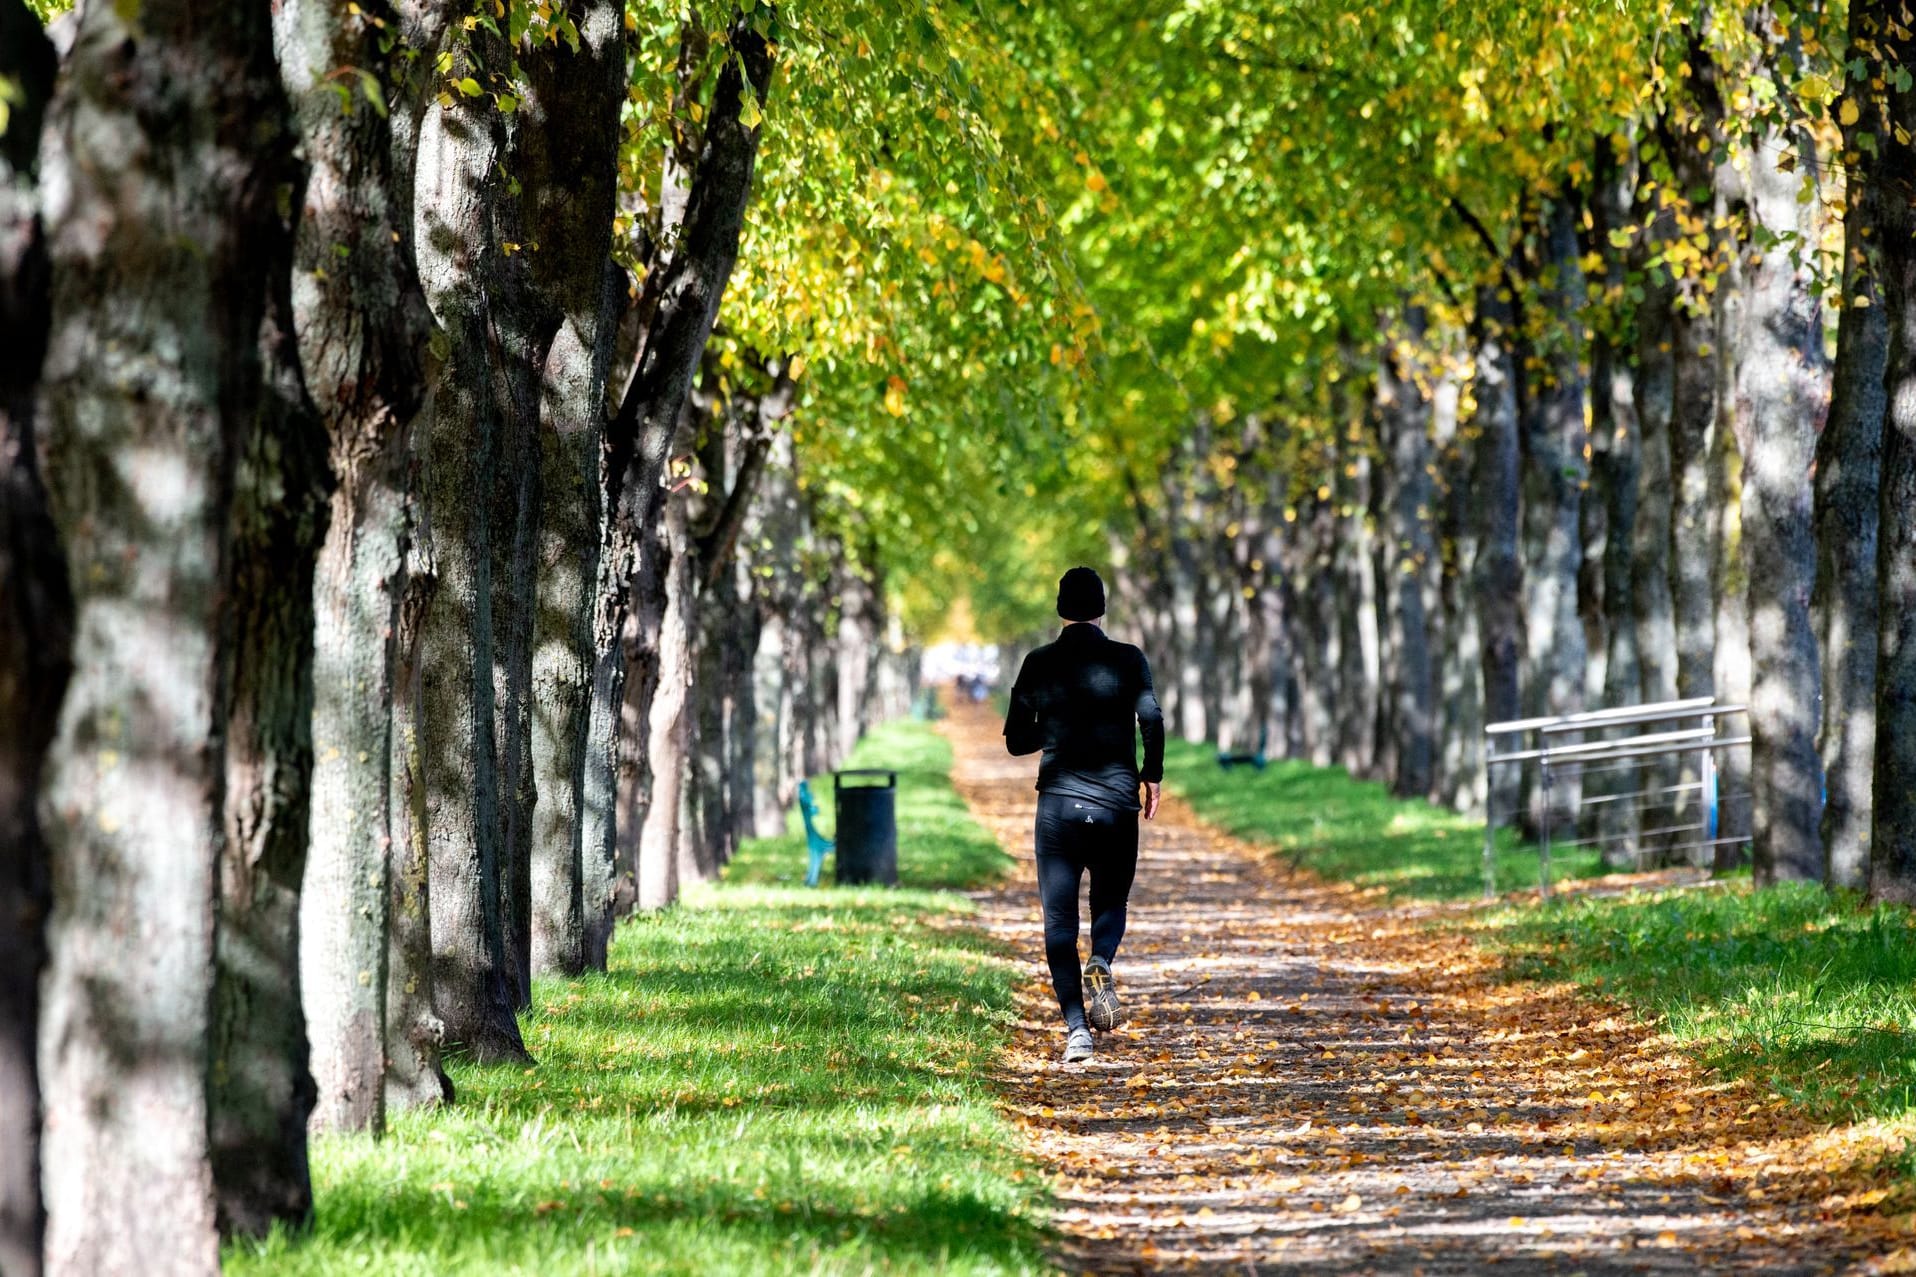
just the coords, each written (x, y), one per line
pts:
(1075, 837)
(1084, 700)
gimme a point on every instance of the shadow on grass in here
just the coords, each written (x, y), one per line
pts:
(926, 1228)
(766, 1080)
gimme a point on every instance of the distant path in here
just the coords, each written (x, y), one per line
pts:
(1306, 1081)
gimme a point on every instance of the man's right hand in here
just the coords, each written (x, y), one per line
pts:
(1152, 792)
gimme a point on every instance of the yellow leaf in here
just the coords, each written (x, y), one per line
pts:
(895, 405)
(1850, 112)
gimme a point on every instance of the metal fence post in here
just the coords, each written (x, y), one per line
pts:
(1543, 851)
(1490, 834)
(1707, 774)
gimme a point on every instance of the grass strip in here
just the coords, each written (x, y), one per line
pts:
(939, 844)
(1354, 830)
(767, 1080)
(1809, 993)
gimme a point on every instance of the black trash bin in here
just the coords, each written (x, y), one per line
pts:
(867, 826)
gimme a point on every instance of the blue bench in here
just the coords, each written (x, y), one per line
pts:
(1257, 760)
(815, 843)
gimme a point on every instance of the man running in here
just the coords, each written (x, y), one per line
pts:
(1082, 700)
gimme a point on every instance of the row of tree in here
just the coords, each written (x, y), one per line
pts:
(1517, 383)
(401, 579)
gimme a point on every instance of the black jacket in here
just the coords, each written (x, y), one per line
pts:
(1083, 699)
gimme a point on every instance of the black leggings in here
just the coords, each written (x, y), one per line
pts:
(1075, 835)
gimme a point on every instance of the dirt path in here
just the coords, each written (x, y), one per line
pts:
(1307, 1080)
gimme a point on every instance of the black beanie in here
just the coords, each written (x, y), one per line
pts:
(1080, 595)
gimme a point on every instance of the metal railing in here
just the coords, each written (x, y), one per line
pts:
(1673, 774)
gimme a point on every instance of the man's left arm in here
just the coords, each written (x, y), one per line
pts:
(1151, 727)
(1023, 734)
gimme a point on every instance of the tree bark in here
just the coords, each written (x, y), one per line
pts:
(473, 982)
(1693, 406)
(415, 1035)
(1498, 584)
(1613, 419)
(1360, 664)
(667, 721)
(1460, 671)
(1653, 389)
(168, 144)
(1887, 185)
(260, 1086)
(682, 292)
(363, 329)
(1780, 371)
(572, 131)
(1729, 581)
(1412, 554)
(36, 619)
(1555, 470)
(415, 1074)
(1849, 458)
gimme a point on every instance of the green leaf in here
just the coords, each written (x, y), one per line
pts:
(470, 87)
(375, 96)
(508, 103)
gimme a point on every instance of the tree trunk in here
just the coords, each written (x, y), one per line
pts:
(1729, 584)
(1412, 555)
(1613, 420)
(1886, 184)
(614, 734)
(169, 145)
(857, 641)
(571, 139)
(668, 722)
(415, 1035)
(1322, 660)
(1780, 371)
(1849, 456)
(1498, 584)
(36, 618)
(1653, 390)
(1460, 680)
(260, 1087)
(1554, 435)
(1693, 411)
(363, 328)
(520, 331)
(1360, 663)
(473, 984)
(690, 283)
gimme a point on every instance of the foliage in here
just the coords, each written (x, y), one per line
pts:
(939, 845)
(1353, 830)
(767, 1080)
(1808, 993)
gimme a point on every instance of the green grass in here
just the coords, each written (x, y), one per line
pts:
(1808, 993)
(946, 847)
(1354, 831)
(768, 1080)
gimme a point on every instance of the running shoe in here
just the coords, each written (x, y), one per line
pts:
(1077, 1046)
(1101, 996)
